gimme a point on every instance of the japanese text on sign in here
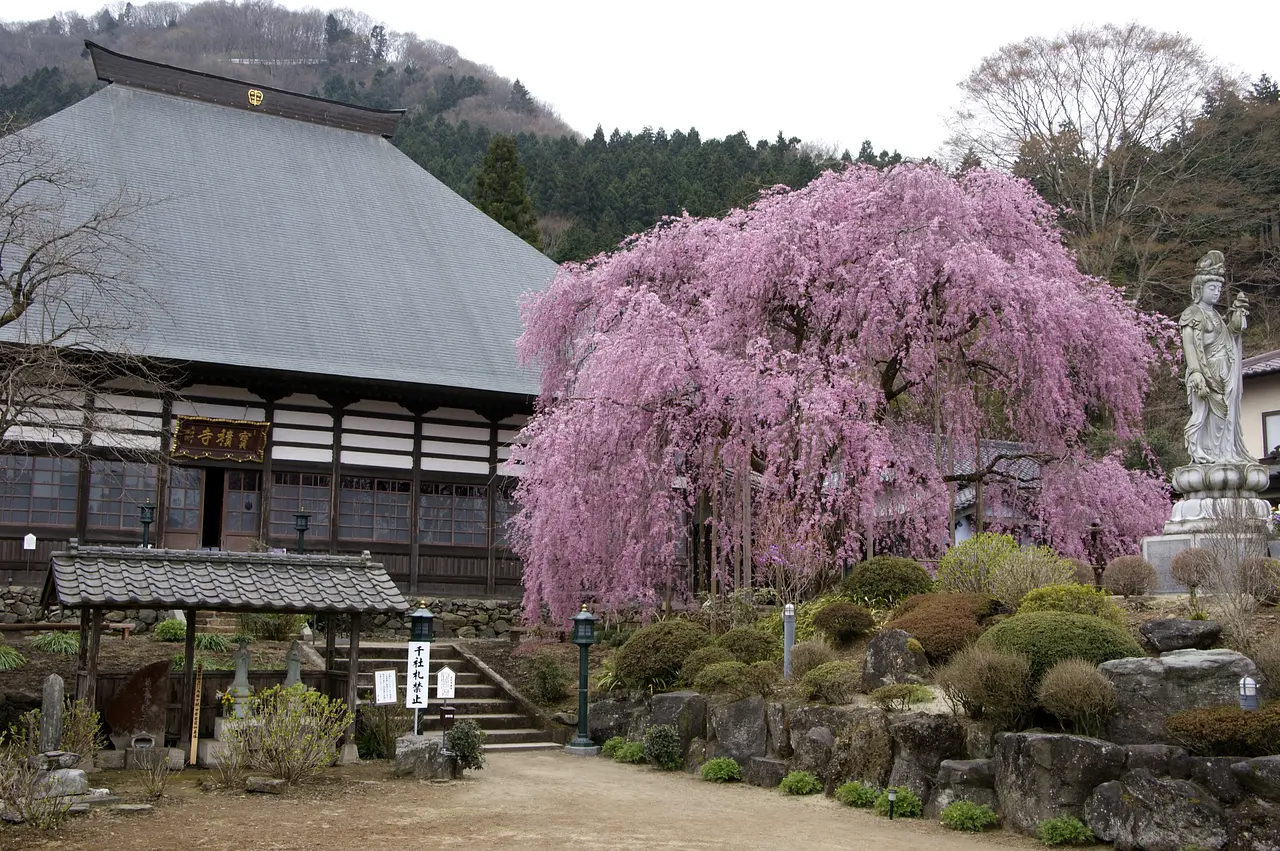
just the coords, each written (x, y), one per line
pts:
(419, 671)
(226, 440)
(384, 687)
(445, 679)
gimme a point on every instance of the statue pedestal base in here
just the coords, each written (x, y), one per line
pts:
(1221, 498)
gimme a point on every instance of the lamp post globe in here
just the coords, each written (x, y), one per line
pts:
(1248, 694)
(584, 635)
(146, 516)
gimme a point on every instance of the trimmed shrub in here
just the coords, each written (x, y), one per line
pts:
(843, 621)
(653, 655)
(856, 794)
(832, 682)
(548, 680)
(907, 806)
(967, 567)
(630, 752)
(1079, 599)
(804, 618)
(611, 745)
(898, 697)
(169, 630)
(1227, 730)
(731, 678)
(800, 783)
(662, 747)
(700, 659)
(1085, 574)
(1047, 638)
(722, 769)
(1065, 831)
(989, 683)
(1129, 576)
(378, 727)
(944, 624)
(1193, 567)
(1078, 695)
(60, 643)
(748, 644)
(1026, 570)
(763, 677)
(968, 816)
(807, 655)
(884, 580)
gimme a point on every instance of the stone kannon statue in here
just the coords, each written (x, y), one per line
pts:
(1213, 352)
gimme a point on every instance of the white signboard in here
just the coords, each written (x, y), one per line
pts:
(384, 687)
(419, 666)
(444, 683)
(29, 542)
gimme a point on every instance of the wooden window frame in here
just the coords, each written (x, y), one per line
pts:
(348, 531)
(476, 534)
(286, 497)
(69, 466)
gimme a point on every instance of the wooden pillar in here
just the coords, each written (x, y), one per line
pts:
(82, 660)
(91, 669)
(264, 487)
(491, 496)
(414, 505)
(188, 679)
(353, 667)
(330, 640)
(162, 473)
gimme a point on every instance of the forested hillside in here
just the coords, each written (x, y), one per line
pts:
(588, 193)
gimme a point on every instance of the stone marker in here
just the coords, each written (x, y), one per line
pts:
(424, 758)
(268, 785)
(62, 782)
(51, 713)
(139, 708)
(239, 689)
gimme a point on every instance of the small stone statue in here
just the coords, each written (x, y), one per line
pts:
(293, 665)
(1213, 352)
(242, 667)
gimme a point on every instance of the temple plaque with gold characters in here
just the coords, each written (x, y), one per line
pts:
(219, 440)
(255, 97)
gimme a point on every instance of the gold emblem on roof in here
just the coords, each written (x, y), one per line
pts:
(255, 97)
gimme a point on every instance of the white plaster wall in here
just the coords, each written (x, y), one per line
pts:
(1261, 394)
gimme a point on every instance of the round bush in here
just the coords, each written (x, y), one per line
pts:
(856, 794)
(832, 682)
(1129, 576)
(989, 683)
(968, 816)
(843, 621)
(944, 624)
(1193, 567)
(800, 783)
(662, 747)
(1084, 572)
(884, 580)
(548, 680)
(1047, 638)
(701, 658)
(763, 677)
(722, 769)
(611, 746)
(748, 644)
(169, 630)
(1080, 599)
(807, 655)
(653, 655)
(967, 567)
(631, 753)
(1260, 577)
(907, 806)
(1078, 695)
(732, 678)
(1026, 570)
(1065, 830)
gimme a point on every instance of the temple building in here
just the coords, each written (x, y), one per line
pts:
(341, 327)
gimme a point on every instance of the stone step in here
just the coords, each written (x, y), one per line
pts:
(521, 747)
(488, 723)
(527, 735)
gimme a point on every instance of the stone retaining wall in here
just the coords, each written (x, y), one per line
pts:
(21, 604)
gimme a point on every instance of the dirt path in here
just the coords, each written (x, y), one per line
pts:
(530, 801)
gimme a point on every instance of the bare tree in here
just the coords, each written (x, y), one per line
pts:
(1241, 579)
(1085, 116)
(69, 305)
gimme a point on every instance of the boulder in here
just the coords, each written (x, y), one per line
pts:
(615, 716)
(738, 729)
(267, 785)
(864, 751)
(1260, 776)
(1160, 760)
(62, 782)
(813, 752)
(1214, 775)
(1254, 826)
(1144, 813)
(684, 710)
(695, 755)
(56, 759)
(776, 723)
(568, 719)
(1178, 634)
(971, 780)
(423, 757)
(765, 772)
(921, 742)
(1149, 690)
(1047, 775)
(893, 656)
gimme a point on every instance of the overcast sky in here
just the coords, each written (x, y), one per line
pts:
(830, 72)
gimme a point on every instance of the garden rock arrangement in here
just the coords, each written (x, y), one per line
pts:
(57, 783)
(456, 618)
(893, 656)
(21, 604)
(1178, 634)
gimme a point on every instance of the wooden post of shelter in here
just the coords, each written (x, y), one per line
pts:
(330, 641)
(95, 640)
(82, 660)
(353, 667)
(188, 674)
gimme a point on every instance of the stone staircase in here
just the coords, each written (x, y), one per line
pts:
(506, 725)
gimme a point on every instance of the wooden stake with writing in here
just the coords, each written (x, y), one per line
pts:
(195, 713)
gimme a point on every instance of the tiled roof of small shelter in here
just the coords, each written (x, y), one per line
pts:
(1263, 364)
(299, 244)
(97, 576)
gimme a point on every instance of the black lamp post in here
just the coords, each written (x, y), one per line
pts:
(422, 625)
(147, 515)
(584, 635)
(301, 522)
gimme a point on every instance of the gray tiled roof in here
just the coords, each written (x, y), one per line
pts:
(193, 579)
(1263, 364)
(280, 244)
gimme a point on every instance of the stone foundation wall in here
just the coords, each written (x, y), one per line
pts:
(21, 604)
(455, 618)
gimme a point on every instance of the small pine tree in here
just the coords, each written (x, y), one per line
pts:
(521, 100)
(500, 191)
